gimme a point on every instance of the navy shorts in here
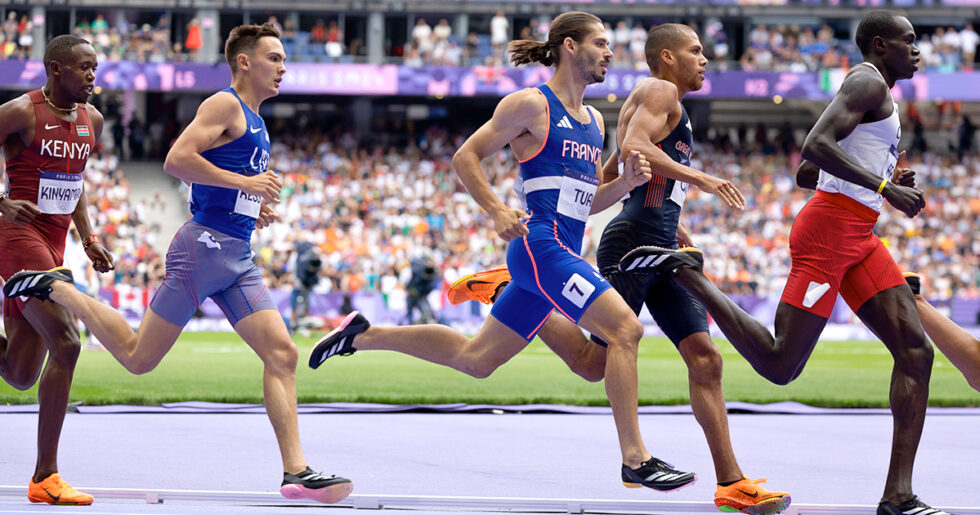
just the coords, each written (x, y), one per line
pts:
(202, 263)
(545, 275)
(677, 313)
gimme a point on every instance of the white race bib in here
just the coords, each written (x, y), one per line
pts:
(679, 193)
(248, 205)
(890, 163)
(577, 193)
(58, 192)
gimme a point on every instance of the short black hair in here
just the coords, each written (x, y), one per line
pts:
(242, 40)
(878, 22)
(59, 49)
(661, 37)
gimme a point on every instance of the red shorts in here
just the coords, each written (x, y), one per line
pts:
(23, 248)
(835, 251)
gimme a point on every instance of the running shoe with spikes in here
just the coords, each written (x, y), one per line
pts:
(35, 283)
(54, 490)
(746, 496)
(658, 261)
(913, 506)
(314, 485)
(658, 475)
(914, 280)
(340, 340)
(482, 286)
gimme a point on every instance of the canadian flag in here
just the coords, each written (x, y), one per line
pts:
(130, 300)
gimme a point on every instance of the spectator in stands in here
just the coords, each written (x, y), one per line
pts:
(334, 45)
(422, 37)
(442, 31)
(194, 40)
(318, 34)
(499, 29)
(968, 45)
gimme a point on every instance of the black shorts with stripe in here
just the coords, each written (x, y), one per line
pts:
(677, 313)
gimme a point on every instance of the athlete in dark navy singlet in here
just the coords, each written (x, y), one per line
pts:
(47, 136)
(224, 154)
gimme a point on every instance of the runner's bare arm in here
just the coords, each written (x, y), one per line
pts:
(97, 253)
(17, 121)
(649, 124)
(216, 123)
(860, 94)
(807, 175)
(612, 185)
(513, 117)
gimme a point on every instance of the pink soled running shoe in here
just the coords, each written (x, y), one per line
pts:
(313, 485)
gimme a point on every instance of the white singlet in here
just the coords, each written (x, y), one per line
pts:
(874, 146)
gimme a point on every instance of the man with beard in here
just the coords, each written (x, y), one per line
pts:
(558, 142)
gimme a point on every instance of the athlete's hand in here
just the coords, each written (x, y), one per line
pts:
(509, 223)
(20, 212)
(907, 200)
(265, 185)
(724, 189)
(267, 216)
(100, 257)
(684, 237)
(636, 170)
(903, 176)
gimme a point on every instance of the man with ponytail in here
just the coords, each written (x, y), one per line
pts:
(558, 141)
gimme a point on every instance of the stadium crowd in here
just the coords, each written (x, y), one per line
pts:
(432, 41)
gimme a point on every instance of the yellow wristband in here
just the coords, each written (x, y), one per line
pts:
(882, 186)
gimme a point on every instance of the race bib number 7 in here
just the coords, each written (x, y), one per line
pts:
(58, 192)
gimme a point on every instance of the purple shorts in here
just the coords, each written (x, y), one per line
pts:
(203, 262)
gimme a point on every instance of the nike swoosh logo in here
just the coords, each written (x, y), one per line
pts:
(55, 498)
(49, 127)
(753, 495)
(473, 282)
(254, 130)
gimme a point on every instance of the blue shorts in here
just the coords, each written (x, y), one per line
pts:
(202, 263)
(545, 275)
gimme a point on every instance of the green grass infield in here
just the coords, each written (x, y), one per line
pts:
(219, 367)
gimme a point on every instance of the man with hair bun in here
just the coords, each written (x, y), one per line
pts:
(47, 136)
(224, 154)
(557, 139)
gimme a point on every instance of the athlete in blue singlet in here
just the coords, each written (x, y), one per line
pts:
(558, 140)
(224, 154)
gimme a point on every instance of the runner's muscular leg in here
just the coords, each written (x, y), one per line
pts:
(704, 366)
(564, 338)
(891, 315)
(493, 345)
(779, 359)
(610, 318)
(266, 333)
(138, 352)
(56, 327)
(959, 346)
(23, 355)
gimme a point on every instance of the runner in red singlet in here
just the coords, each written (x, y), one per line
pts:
(47, 136)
